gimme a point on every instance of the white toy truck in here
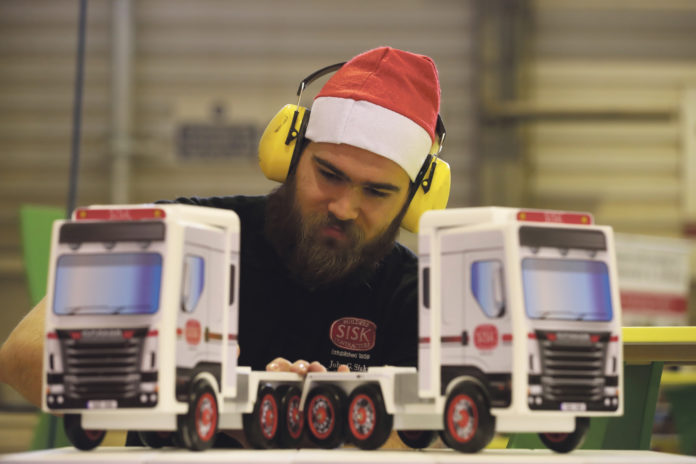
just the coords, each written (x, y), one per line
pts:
(141, 331)
(519, 322)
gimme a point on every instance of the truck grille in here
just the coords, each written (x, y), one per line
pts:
(101, 363)
(572, 366)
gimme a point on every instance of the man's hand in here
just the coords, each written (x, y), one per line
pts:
(300, 366)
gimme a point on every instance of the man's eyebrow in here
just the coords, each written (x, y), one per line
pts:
(375, 185)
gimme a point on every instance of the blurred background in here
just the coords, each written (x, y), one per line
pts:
(567, 104)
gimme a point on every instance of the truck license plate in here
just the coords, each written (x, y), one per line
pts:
(573, 406)
(102, 404)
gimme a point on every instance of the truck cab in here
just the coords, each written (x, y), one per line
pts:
(525, 304)
(141, 304)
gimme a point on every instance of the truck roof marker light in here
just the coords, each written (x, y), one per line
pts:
(558, 217)
(129, 214)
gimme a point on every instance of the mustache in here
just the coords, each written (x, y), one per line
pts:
(347, 226)
(332, 221)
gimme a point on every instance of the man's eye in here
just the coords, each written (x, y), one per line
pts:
(373, 192)
(329, 175)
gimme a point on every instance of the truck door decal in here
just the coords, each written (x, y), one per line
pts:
(486, 337)
(192, 332)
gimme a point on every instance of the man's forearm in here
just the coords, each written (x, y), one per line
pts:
(21, 355)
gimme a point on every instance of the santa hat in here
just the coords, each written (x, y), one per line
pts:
(385, 101)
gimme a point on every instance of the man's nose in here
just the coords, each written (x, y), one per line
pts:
(346, 204)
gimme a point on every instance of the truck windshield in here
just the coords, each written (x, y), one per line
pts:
(566, 289)
(124, 283)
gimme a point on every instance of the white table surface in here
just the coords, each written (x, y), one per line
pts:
(114, 455)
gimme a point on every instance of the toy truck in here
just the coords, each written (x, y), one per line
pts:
(519, 327)
(141, 331)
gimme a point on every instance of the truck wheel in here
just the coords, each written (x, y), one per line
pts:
(468, 425)
(156, 439)
(291, 420)
(369, 425)
(325, 416)
(566, 442)
(261, 426)
(81, 439)
(417, 439)
(199, 426)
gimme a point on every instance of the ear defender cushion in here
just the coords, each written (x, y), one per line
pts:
(275, 155)
(435, 198)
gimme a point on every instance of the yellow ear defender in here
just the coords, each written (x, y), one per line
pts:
(282, 141)
(279, 149)
(275, 150)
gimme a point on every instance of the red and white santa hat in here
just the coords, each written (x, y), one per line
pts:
(384, 100)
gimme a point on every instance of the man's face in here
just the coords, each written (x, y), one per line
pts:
(338, 213)
(362, 190)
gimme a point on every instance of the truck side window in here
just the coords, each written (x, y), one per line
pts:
(487, 287)
(192, 285)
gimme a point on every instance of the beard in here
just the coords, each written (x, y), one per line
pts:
(314, 259)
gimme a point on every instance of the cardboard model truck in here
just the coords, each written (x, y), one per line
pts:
(519, 321)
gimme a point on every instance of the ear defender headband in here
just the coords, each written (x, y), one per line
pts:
(283, 141)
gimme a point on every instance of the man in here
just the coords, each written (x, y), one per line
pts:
(322, 278)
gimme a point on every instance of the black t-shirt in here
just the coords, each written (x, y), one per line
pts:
(369, 320)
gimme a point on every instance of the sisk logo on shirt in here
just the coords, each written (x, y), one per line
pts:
(353, 333)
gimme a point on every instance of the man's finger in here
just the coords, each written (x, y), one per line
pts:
(278, 365)
(300, 367)
(343, 368)
(316, 367)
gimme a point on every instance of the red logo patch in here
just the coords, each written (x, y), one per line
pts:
(352, 333)
(193, 332)
(486, 337)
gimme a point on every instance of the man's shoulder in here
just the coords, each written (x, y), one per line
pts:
(399, 267)
(402, 255)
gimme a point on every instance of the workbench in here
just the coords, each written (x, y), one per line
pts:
(341, 456)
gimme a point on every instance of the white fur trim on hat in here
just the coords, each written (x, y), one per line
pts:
(371, 127)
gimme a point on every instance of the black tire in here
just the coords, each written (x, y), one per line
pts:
(156, 439)
(291, 419)
(261, 425)
(468, 424)
(325, 416)
(199, 426)
(567, 442)
(80, 438)
(369, 425)
(417, 439)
